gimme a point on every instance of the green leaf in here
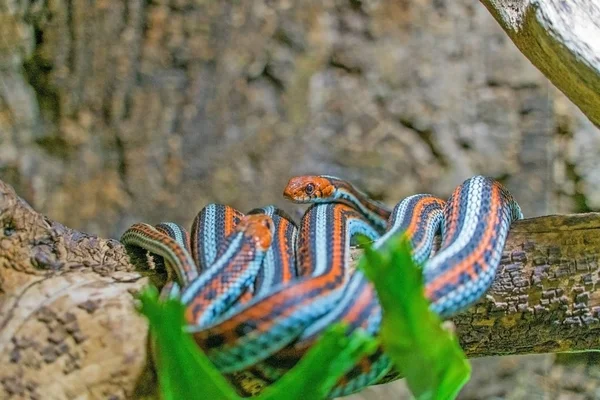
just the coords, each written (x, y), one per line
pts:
(319, 370)
(428, 355)
(184, 372)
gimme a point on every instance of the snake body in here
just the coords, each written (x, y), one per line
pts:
(279, 265)
(475, 223)
(477, 218)
(297, 283)
(205, 293)
(210, 228)
(420, 216)
(177, 233)
(239, 259)
(268, 323)
(158, 241)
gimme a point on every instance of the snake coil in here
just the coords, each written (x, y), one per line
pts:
(259, 289)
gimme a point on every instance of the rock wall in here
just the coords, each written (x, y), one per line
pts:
(115, 113)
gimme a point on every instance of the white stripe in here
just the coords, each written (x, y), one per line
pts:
(321, 241)
(269, 268)
(178, 234)
(209, 248)
(398, 219)
(467, 231)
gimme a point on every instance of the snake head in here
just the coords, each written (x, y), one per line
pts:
(260, 228)
(309, 189)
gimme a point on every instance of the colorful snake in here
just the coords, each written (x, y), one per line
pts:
(265, 318)
(173, 249)
(210, 228)
(279, 265)
(476, 220)
(205, 293)
(268, 323)
(239, 260)
(475, 223)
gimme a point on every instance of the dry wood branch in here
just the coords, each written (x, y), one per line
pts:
(68, 326)
(562, 39)
(545, 297)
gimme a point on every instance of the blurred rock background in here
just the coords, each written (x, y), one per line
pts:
(113, 112)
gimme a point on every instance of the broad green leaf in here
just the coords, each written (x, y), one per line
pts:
(321, 367)
(428, 355)
(184, 371)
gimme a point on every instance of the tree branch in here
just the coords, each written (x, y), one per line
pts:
(68, 325)
(544, 298)
(561, 38)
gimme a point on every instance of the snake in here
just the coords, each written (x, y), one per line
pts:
(473, 223)
(236, 258)
(420, 217)
(476, 220)
(317, 189)
(268, 323)
(279, 264)
(173, 249)
(209, 229)
(205, 293)
(239, 259)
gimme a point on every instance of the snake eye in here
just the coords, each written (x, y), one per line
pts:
(309, 189)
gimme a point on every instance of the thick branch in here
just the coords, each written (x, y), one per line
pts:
(562, 39)
(68, 325)
(545, 296)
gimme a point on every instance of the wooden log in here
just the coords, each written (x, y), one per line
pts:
(544, 298)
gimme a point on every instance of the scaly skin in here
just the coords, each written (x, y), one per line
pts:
(476, 221)
(269, 323)
(279, 264)
(178, 260)
(240, 259)
(325, 189)
(270, 328)
(210, 228)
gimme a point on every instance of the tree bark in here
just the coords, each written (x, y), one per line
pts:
(544, 298)
(562, 39)
(69, 327)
